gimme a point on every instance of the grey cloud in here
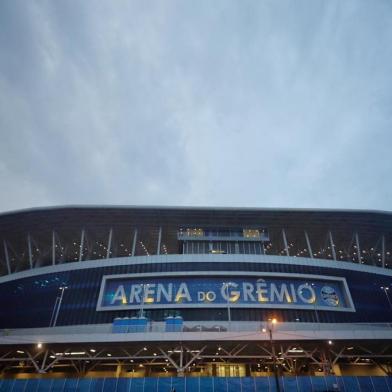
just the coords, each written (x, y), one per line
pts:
(223, 103)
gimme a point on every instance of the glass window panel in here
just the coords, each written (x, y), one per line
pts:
(84, 385)
(32, 385)
(220, 384)
(318, 383)
(304, 383)
(6, 385)
(19, 386)
(380, 384)
(290, 384)
(192, 384)
(124, 384)
(365, 384)
(70, 384)
(58, 385)
(178, 383)
(45, 384)
(150, 384)
(164, 384)
(351, 384)
(137, 385)
(206, 384)
(247, 384)
(331, 382)
(109, 385)
(263, 384)
(234, 384)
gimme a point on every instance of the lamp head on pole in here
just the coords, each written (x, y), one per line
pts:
(272, 322)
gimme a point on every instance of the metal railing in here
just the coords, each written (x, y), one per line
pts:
(201, 327)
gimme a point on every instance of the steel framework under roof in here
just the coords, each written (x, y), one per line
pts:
(44, 236)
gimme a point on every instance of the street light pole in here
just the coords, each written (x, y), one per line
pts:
(271, 324)
(62, 288)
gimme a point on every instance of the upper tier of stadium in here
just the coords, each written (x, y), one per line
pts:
(40, 237)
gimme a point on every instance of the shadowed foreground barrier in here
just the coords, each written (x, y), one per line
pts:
(196, 384)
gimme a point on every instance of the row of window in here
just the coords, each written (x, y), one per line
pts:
(200, 232)
(223, 247)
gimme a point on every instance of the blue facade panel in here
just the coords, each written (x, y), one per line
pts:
(150, 384)
(207, 384)
(23, 299)
(304, 383)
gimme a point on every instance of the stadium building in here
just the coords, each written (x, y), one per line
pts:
(195, 299)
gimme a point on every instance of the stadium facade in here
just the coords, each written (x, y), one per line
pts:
(157, 291)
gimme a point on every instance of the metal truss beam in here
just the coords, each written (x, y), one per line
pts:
(134, 242)
(81, 244)
(182, 357)
(109, 247)
(286, 246)
(308, 244)
(7, 258)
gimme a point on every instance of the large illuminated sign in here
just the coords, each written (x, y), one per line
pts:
(217, 289)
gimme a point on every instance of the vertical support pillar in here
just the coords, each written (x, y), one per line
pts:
(383, 251)
(53, 248)
(7, 258)
(326, 363)
(109, 243)
(285, 243)
(308, 244)
(30, 250)
(180, 369)
(134, 242)
(81, 245)
(159, 241)
(332, 245)
(358, 248)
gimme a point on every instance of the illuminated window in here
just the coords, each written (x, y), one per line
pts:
(195, 232)
(251, 233)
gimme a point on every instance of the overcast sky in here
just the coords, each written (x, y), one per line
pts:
(215, 103)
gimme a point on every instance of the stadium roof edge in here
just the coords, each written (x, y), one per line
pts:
(191, 208)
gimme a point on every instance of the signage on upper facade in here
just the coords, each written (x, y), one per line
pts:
(261, 290)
